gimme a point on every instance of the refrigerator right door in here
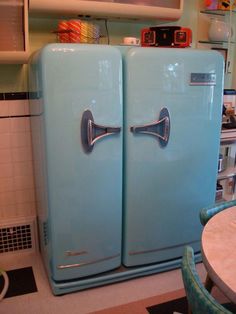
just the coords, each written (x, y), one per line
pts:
(172, 121)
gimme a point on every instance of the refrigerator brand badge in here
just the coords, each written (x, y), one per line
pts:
(203, 79)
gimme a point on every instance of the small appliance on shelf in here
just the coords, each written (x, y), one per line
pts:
(166, 36)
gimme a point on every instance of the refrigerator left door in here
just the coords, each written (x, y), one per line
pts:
(77, 122)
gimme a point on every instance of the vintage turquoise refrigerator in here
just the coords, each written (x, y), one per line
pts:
(126, 144)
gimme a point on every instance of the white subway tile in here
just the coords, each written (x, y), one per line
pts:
(4, 125)
(21, 139)
(8, 211)
(4, 108)
(7, 198)
(7, 184)
(17, 193)
(17, 107)
(5, 140)
(21, 154)
(18, 125)
(23, 182)
(24, 168)
(25, 209)
(27, 124)
(6, 170)
(5, 156)
(25, 196)
(27, 111)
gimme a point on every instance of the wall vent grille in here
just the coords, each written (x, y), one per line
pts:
(17, 237)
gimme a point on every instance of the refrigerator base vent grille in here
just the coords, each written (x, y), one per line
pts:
(17, 237)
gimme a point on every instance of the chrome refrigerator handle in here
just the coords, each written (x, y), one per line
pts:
(159, 128)
(92, 132)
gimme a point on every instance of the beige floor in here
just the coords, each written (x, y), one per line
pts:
(87, 301)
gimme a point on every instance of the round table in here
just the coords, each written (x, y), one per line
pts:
(219, 251)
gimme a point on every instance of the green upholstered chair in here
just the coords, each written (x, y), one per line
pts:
(208, 212)
(199, 299)
(205, 215)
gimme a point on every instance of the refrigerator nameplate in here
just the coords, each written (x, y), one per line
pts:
(203, 79)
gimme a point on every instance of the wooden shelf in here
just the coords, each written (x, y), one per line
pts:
(215, 42)
(230, 170)
(132, 10)
(228, 137)
(14, 57)
(216, 12)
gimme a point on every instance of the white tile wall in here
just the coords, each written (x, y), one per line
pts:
(17, 196)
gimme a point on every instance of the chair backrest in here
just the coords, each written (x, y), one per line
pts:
(199, 299)
(208, 212)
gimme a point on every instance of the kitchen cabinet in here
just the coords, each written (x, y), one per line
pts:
(118, 9)
(14, 46)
